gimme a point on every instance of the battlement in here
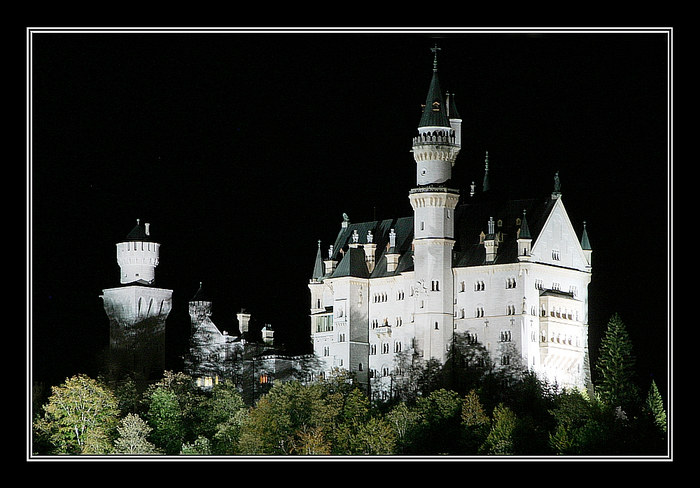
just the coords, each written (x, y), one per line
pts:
(138, 261)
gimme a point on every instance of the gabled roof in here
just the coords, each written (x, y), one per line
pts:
(352, 264)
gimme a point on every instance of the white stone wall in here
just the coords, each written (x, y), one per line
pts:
(137, 261)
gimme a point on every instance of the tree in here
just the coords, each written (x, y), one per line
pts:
(80, 417)
(221, 416)
(475, 423)
(200, 447)
(500, 440)
(404, 421)
(584, 426)
(165, 417)
(615, 367)
(171, 408)
(440, 422)
(133, 436)
(282, 419)
(655, 407)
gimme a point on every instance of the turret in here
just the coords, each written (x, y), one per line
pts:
(137, 256)
(524, 240)
(436, 146)
(586, 246)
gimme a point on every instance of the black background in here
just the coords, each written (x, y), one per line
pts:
(243, 149)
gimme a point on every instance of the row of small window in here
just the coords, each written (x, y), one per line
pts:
(385, 322)
(510, 283)
(479, 312)
(385, 348)
(382, 297)
(556, 286)
(561, 339)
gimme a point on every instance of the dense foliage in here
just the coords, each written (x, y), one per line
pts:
(465, 407)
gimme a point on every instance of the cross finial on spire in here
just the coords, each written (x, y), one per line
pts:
(435, 50)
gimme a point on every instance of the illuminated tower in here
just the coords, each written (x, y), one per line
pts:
(137, 310)
(435, 149)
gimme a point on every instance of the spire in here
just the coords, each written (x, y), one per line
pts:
(452, 107)
(434, 111)
(486, 184)
(318, 265)
(200, 296)
(524, 229)
(585, 243)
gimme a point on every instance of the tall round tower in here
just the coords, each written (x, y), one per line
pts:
(137, 310)
(435, 149)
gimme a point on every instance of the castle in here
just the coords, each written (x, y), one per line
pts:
(510, 275)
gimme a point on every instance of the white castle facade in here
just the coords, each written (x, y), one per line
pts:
(510, 275)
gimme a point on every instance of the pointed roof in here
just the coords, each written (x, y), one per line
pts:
(435, 110)
(585, 243)
(524, 229)
(138, 233)
(318, 264)
(200, 296)
(452, 107)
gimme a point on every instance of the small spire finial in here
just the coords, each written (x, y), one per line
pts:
(435, 50)
(486, 185)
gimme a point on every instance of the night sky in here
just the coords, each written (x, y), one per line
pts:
(243, 149)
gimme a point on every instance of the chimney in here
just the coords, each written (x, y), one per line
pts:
(491, 242)
(147, 228)
(392, 256)
(370, 249)
(330, 263)
(243, 321)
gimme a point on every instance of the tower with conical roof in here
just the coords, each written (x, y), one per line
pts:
(435, 149)
(137, 310)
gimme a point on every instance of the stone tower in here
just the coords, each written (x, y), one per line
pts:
(137, 310)
(435, 149)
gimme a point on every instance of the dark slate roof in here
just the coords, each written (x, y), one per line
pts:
(452, 107)
(435, 111)
(472, 220)
(318, 264)
(200, 296)
(403, 227)
(138, 233)
(524, 229)
(352, 264)
(585, 243)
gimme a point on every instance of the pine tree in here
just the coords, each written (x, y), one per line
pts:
(655, 407)
(615, 367)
